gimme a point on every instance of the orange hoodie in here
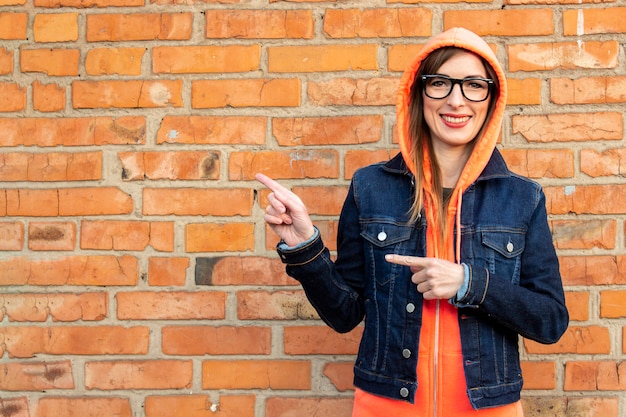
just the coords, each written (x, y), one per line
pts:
(442, 387)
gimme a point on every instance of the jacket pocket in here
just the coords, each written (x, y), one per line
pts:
(503, 252)
(382, 238)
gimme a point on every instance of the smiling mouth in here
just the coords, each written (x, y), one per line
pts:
(452, 119)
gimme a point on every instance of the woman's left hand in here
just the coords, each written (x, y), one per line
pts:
(435, 278)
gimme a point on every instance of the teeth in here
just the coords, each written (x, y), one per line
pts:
(451, 119)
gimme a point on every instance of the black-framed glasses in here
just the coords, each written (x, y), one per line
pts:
(473, 88)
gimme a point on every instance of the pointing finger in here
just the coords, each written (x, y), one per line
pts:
(412, 261)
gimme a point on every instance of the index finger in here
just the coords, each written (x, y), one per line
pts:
(270, 183)
(405, 260)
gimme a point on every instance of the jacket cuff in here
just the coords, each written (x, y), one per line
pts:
(302, 253)
(477, 284)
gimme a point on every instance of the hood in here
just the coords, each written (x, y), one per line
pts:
(484, 146)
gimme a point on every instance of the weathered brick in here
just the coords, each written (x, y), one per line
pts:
(12, 97)
(584, 234)
(63, 307)
(377, 23)
(114, 61)
(353, 92)
(544, 163)
(56, 27)
(88, 3)
(577, 339)
(127, 235)
(259, 24)
(322, 58)
(93, 201)
(304, 163)
(126, 94)
(328, 406)
(51, 236)
(539, 375)
(6, 61)
(562, 55)
(83, 406)
(579, 22)
(197, 201)
(256, 374)
(52, 62)
(327, 130)
(48, 97)
(320, 340)
(577, 305)
(504, 22)
(241, 270)
(569, 127)
(213, 237)
(171, 305)
(208, 340)
(560, 406)
(340, 374)
(278, 92)
(138, 27)
(593, 270)
(275, 305)
(202, 130)
(11, 236)
(170, 271)
(36, 376)
(205, 59)
(51, 166)
(175, 165)
(138, 375)
(200, 406)
(17, 406)
(602, 164)
(586, 199)
(595, 376)
(588, 90)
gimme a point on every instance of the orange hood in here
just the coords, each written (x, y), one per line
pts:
(483, 148)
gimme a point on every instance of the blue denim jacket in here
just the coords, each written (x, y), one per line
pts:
(514, 285)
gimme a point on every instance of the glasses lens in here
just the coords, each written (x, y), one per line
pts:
(473, 89)
(438, 87)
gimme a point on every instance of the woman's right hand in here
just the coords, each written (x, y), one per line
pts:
(286, 214)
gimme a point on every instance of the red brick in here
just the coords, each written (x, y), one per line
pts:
(6, 61)
(36, 376)
(259, 24)
(18, 407)
(577, 339)
(276, 305)
(586, 199)
(324, 201)
(322, 58)
(569, 127)
(326, 406)
(583, 234)
(126, 94)
(197, 201)
(114, 61)
(127, 235)
(353, 92)
(51, 166)
(340, 375)
(514, 22)
(203, 130)
(26, 342)
(74, 270)
(377, 23)
(200, 406)
(175, 165)
(213, 237)
(300, 163)
(13, 26)
(357, 158)
(82, 407)
(88, 3)
(593, 270)
(588, 90)
(11, 236)
(613, 305)
(208, 340)
(205, 59)
(280, 92)
(327, 130)
(167, 271)
(51, 235)
(525, 91)
(601, 164)
(562, 55)
(577, 305)
(143, 305)
(239, 270)
(539, 375)
(595, 376)
(12, 97)
(544, 163)
(138, 27)
(581, 21)
(48, 97)
(52, 62)
(400, 56)
(92, 201)
(56, 27)
(138, 375)
(320, 340)
(63, 307)
(256, 374)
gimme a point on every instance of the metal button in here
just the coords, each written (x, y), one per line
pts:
(509, 247)
(404, 392)
(406, 353)
(410, 308)
(382, 236)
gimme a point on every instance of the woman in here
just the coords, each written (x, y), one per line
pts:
(444, 251)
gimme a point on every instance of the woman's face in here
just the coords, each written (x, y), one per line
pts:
(455, 121)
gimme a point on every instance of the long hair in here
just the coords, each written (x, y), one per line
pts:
(420, 133)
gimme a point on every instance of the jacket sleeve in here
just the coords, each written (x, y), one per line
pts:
(334, 289)
(536, 307)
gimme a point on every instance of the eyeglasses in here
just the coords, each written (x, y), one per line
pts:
(472, 88)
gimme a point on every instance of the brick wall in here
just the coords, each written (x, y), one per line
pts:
(137, 276)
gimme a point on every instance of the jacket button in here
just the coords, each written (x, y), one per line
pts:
(410, 308)
(404, 392)
(382, 236)
(509, 247)
(406, 353)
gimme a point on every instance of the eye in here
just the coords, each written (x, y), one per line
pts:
(439, 83)
(476, 84)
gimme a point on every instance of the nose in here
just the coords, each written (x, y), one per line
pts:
(456, 96)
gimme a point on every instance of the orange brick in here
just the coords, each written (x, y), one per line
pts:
(11, 236)
(88, 3)
(52, 62)
(167, 271)
(205, 59)
(127, 235)
(256, 374)
(141, 374)
(64, 307)
(340, 374)
(51, 235)
(126, 94)
(12, 97)
(322, 58)
(593, 270)
(525, 91)
(320, 340)
(577, 305)
(170, 305)
(18, 406)
(562, 55)
(325, 201)
(114, 61)
(305, 163)
(584, 234)
(200, 130)
(13, 26)
(544, 163)
(595, 376)
(238, 270)
(25, 342)
(56, 27)
(588, 90)
(353, 92)
(181, 165)
(74, 270)
(139, 27)
(26, 202)
(569, 127)
(6, 61)
(377, 23)
(94, 201)
(259, 24)
(357, 158)
(197, 201)
(200, 406)
(577, 339)
(612, 304)
(593, 21)
(212, 237)
(514, 22)
(328, 232)
(51, 166)
(601, 164)
(275, 305)
(400, 56)
(327, 406)
(539, 375)
(48, 97)
(36, 376)
(327, 130)
(207, 340)
(592, 199)
(83, 406)
(575, 406)
(279, 92)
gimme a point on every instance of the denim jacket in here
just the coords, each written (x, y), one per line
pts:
(514, 286)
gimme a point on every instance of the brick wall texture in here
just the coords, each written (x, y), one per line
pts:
(137, 277)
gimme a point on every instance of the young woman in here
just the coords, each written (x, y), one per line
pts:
(444, 252)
